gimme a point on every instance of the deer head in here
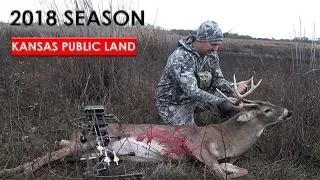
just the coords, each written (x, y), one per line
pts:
(266, 113)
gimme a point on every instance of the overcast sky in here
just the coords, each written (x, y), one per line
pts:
(269, 18)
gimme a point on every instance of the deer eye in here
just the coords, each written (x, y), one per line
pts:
(267, 111)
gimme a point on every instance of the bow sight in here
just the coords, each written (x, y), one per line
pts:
(97, 120)
(97, 126)
(98, 123)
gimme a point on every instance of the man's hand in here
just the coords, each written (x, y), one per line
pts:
(232, 99)
(242, 86)
(237, 106)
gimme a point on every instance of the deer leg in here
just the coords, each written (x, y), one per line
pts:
(28, 168)
(233, 171)
(209, 160)
(218, 170)
(37, 163)
(63, 142)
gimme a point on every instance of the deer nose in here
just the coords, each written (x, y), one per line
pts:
(290, 113)
(287, 114)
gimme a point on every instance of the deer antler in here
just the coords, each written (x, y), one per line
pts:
(239, 96)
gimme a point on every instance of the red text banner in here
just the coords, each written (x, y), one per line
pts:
(73, 46)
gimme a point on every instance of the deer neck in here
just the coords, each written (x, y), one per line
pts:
(251, 128)
(231, 138)
(241, 135)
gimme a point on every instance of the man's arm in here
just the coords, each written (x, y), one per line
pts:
(183, 70)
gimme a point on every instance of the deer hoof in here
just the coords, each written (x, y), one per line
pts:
(232, 170)
(239, 173)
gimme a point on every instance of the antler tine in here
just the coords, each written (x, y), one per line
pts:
(253, 87)
(224, 95)
(239, 96)
(235, 86)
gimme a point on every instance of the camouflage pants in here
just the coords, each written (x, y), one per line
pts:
(186, 114)
(182, 114)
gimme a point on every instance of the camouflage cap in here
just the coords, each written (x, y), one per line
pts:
(209, 31)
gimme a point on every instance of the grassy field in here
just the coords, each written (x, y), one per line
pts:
(39, 97)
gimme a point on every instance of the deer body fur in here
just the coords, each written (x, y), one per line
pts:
(209, 144)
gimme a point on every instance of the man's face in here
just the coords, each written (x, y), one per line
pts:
(207, 48)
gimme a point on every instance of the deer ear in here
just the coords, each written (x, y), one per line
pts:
(242, 118)
(245, 116)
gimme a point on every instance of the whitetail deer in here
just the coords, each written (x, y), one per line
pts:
(209, 144)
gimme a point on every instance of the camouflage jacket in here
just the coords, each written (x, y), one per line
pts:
(178, 83)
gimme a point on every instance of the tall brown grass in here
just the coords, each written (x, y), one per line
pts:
(39, 97)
